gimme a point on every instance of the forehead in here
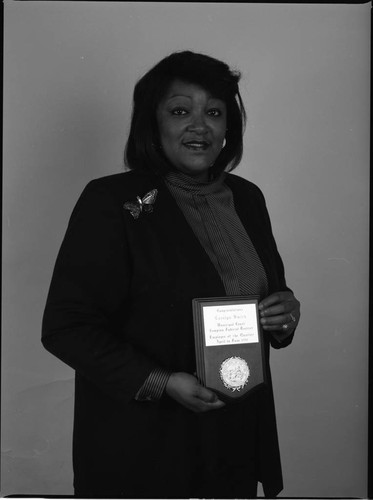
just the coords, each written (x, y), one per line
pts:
(179, 88)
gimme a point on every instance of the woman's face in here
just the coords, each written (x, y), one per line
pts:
(192, 126)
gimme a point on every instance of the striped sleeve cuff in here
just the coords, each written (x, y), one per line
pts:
(154, 385)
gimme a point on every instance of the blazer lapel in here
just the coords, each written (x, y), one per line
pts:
(187, 249)
(166, 245)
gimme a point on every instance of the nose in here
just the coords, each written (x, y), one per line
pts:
(198, 123)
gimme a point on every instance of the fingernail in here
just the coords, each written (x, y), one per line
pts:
(261, 306)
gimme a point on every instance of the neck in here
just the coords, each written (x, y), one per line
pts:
(199, 177)
(203, 177)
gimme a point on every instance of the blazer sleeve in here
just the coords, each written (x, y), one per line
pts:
(89, 296)
(275, 341)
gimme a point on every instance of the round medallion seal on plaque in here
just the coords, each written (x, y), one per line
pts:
(234, 373)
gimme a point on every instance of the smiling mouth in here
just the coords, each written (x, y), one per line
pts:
(196, 145)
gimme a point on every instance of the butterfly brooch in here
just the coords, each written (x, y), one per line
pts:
(140, 205)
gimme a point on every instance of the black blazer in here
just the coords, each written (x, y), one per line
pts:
(119, 305)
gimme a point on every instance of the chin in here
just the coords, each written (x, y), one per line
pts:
(195, 168)
(195, 171)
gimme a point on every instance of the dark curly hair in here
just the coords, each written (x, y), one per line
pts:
(141, 151)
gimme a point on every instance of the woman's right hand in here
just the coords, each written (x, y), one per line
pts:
(186, 390)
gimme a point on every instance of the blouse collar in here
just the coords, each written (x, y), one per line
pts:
(193, 185)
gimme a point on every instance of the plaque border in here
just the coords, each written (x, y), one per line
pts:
(199, 337)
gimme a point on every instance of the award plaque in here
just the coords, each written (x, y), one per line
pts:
(229, 345)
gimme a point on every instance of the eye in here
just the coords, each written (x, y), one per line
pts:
(178, 111)
(214, 112)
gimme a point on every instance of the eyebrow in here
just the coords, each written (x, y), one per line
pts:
(211, 97)
(179, 95)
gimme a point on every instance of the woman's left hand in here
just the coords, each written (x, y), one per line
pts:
(279, 311)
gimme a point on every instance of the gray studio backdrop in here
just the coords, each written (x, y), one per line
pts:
(70, 68)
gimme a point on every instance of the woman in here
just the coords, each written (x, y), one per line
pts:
(139, 247)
